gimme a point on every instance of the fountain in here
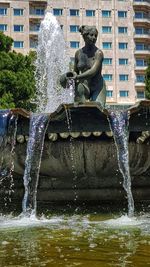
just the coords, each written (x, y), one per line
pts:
(74, 154)
(79, 163)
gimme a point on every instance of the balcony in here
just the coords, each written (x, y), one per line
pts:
(140, 95)
(139, 84)
(144, 20)
(144, 36)
(142, 52)
(33, 33)
(33, 44)
(38, 1)
(36, 13)
(34, 29)
(141, 3)
(140, 68)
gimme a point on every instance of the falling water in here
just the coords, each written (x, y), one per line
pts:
(119, 126)
(38, 126)
(72, 153)
(52, 61)
(8, 128)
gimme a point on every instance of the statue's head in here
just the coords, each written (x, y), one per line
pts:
(89, 34)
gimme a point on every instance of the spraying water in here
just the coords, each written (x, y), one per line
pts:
(52, 61)
(38, 126)
(119, 126)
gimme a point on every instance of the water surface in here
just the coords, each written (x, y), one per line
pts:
(75, 240)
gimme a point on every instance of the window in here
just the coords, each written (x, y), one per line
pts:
(18, 28)
(3, 11)
(140, 15)
(74, 28)
(3, 27)
(107, 61)
(141, 62)
(33, 43)
(90, 13)
(139, 30)
(122, 29)
(57, 12)
(123, 77)
(123, 46)
(123, 61)
(106, 29)
(74, 44)
(107, 77)
(123, 93)
(140, 94)
(39, 11)
(122, 14)
(106, 13)
(74, 12)
(109, 93)
(35, 27)
(140, 78)
(18, 44)
(107, 45)
(18, 12)
(141, 46)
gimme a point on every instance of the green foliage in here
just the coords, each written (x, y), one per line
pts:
(7, 101)
(5, 42)
(147, 81)
(17, 83)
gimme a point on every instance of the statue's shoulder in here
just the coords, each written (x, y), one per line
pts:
(99, 53)
(78, 52)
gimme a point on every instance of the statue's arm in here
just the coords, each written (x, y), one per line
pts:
(95, 68)
(76, 62)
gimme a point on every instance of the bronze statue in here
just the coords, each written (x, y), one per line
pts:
(89, 83)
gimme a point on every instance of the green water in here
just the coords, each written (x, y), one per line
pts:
(77, 240)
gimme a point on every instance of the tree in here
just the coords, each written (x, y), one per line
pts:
(147, 81)
(5, 42)
(17, 83)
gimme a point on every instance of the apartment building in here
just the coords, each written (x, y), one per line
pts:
(141, 24)
(124, 36)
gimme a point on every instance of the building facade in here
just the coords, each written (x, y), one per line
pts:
(124, 36)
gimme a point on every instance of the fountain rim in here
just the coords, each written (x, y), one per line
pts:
(63, 107)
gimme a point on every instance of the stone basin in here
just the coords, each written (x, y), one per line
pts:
(79, 163)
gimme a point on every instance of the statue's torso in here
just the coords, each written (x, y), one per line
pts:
(84, 62)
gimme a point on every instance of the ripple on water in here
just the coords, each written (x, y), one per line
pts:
(9, 221)
(124, 220)
(76, 222)
(79, 240)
